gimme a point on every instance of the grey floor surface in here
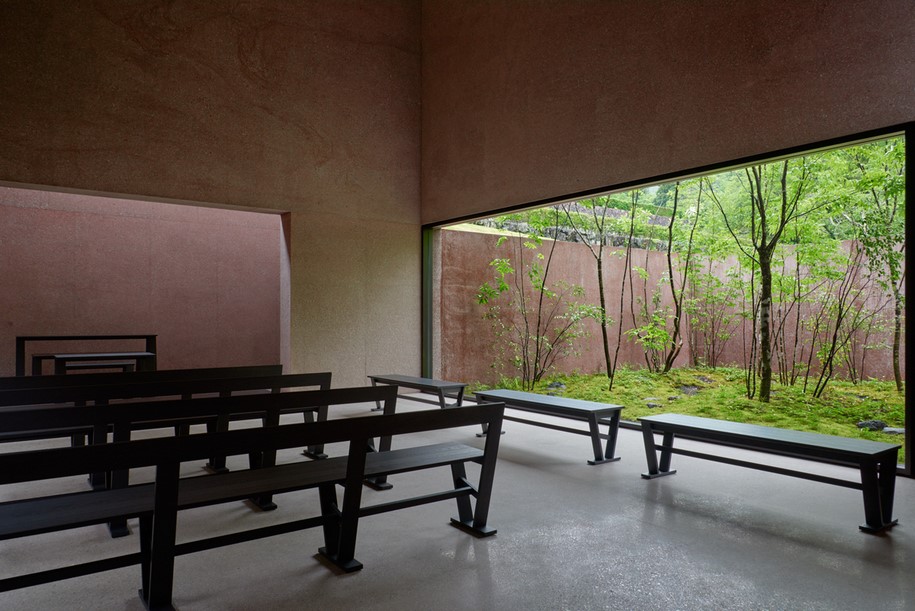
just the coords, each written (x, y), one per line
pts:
(570, 536)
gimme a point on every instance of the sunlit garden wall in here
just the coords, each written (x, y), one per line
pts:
(467, 345)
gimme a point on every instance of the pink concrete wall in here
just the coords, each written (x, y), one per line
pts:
(310, 108)
(467, 351)
(466, 340)
(207, 281)
(529, 100)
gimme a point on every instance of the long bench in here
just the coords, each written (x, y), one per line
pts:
(139, 361)
(157, 504)
(591, 412)
(875, 461)
(442, 388)
(136, 377)
(149, 346)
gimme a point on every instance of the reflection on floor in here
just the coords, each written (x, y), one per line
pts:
(571, 536)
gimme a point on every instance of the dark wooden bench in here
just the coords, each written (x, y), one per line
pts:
(591, 412)
(875, 461)
(136, 377)
(122, 366)
(141, 361)
(443, 389)
(157, 504)
(76, 398)
(22, 342)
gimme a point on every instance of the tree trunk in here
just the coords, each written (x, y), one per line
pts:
(765, 315)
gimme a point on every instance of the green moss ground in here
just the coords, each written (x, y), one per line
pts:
(721, 393)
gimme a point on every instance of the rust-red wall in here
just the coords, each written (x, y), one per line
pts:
(531, 99)
(207, 281)
(466, 348)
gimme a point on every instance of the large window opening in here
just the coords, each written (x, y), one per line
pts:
(771, 292)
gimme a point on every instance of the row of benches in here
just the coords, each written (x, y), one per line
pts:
(157, 503)
(876, 462)
(117, 499)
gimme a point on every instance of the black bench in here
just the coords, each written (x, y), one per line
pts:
(876, 461)
(442, 388)
(22, 341)
(591, 412)
(123, 366)
(41, 427)
(141, 361)
(136, 377)
(157, 504)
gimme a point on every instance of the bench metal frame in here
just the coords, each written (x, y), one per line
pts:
(442, 388)
(876, 461)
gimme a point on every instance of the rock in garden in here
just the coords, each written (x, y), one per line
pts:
(556, 385)
(689, 390)
(652, 402)
(872, 425)
(705, 380)
(893, 431)
(673, 397)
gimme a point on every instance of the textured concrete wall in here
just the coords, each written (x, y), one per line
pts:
(524, 100)
(306, 107)
(467, 347)
(206, 281)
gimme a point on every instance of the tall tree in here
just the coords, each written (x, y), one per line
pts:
(774, 203)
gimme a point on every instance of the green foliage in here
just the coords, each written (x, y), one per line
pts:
(535, 322)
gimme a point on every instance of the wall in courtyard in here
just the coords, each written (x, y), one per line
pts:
(307, 107)
(206, 281)
(530, 100)
(466, 344)
(466, 348)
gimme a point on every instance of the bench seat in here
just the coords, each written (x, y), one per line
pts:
(874, 460)
(591, 412)
(64, 511)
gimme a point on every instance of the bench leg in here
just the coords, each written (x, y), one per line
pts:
(158, 588)
(655, 470)
(330, 511)
(217, 464)
(119, 479)
(315, 452)
(146, 522)
(349, 516)
(265, 459)
(470, 520)
(878, 484)
(599, 455)
(443, 398)
(377, 407)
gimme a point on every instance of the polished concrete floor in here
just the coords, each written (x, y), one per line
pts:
(570, 536)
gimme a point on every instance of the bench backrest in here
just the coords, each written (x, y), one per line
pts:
(60, 462)
(161, 388)
(36, 417)
(136, 377)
